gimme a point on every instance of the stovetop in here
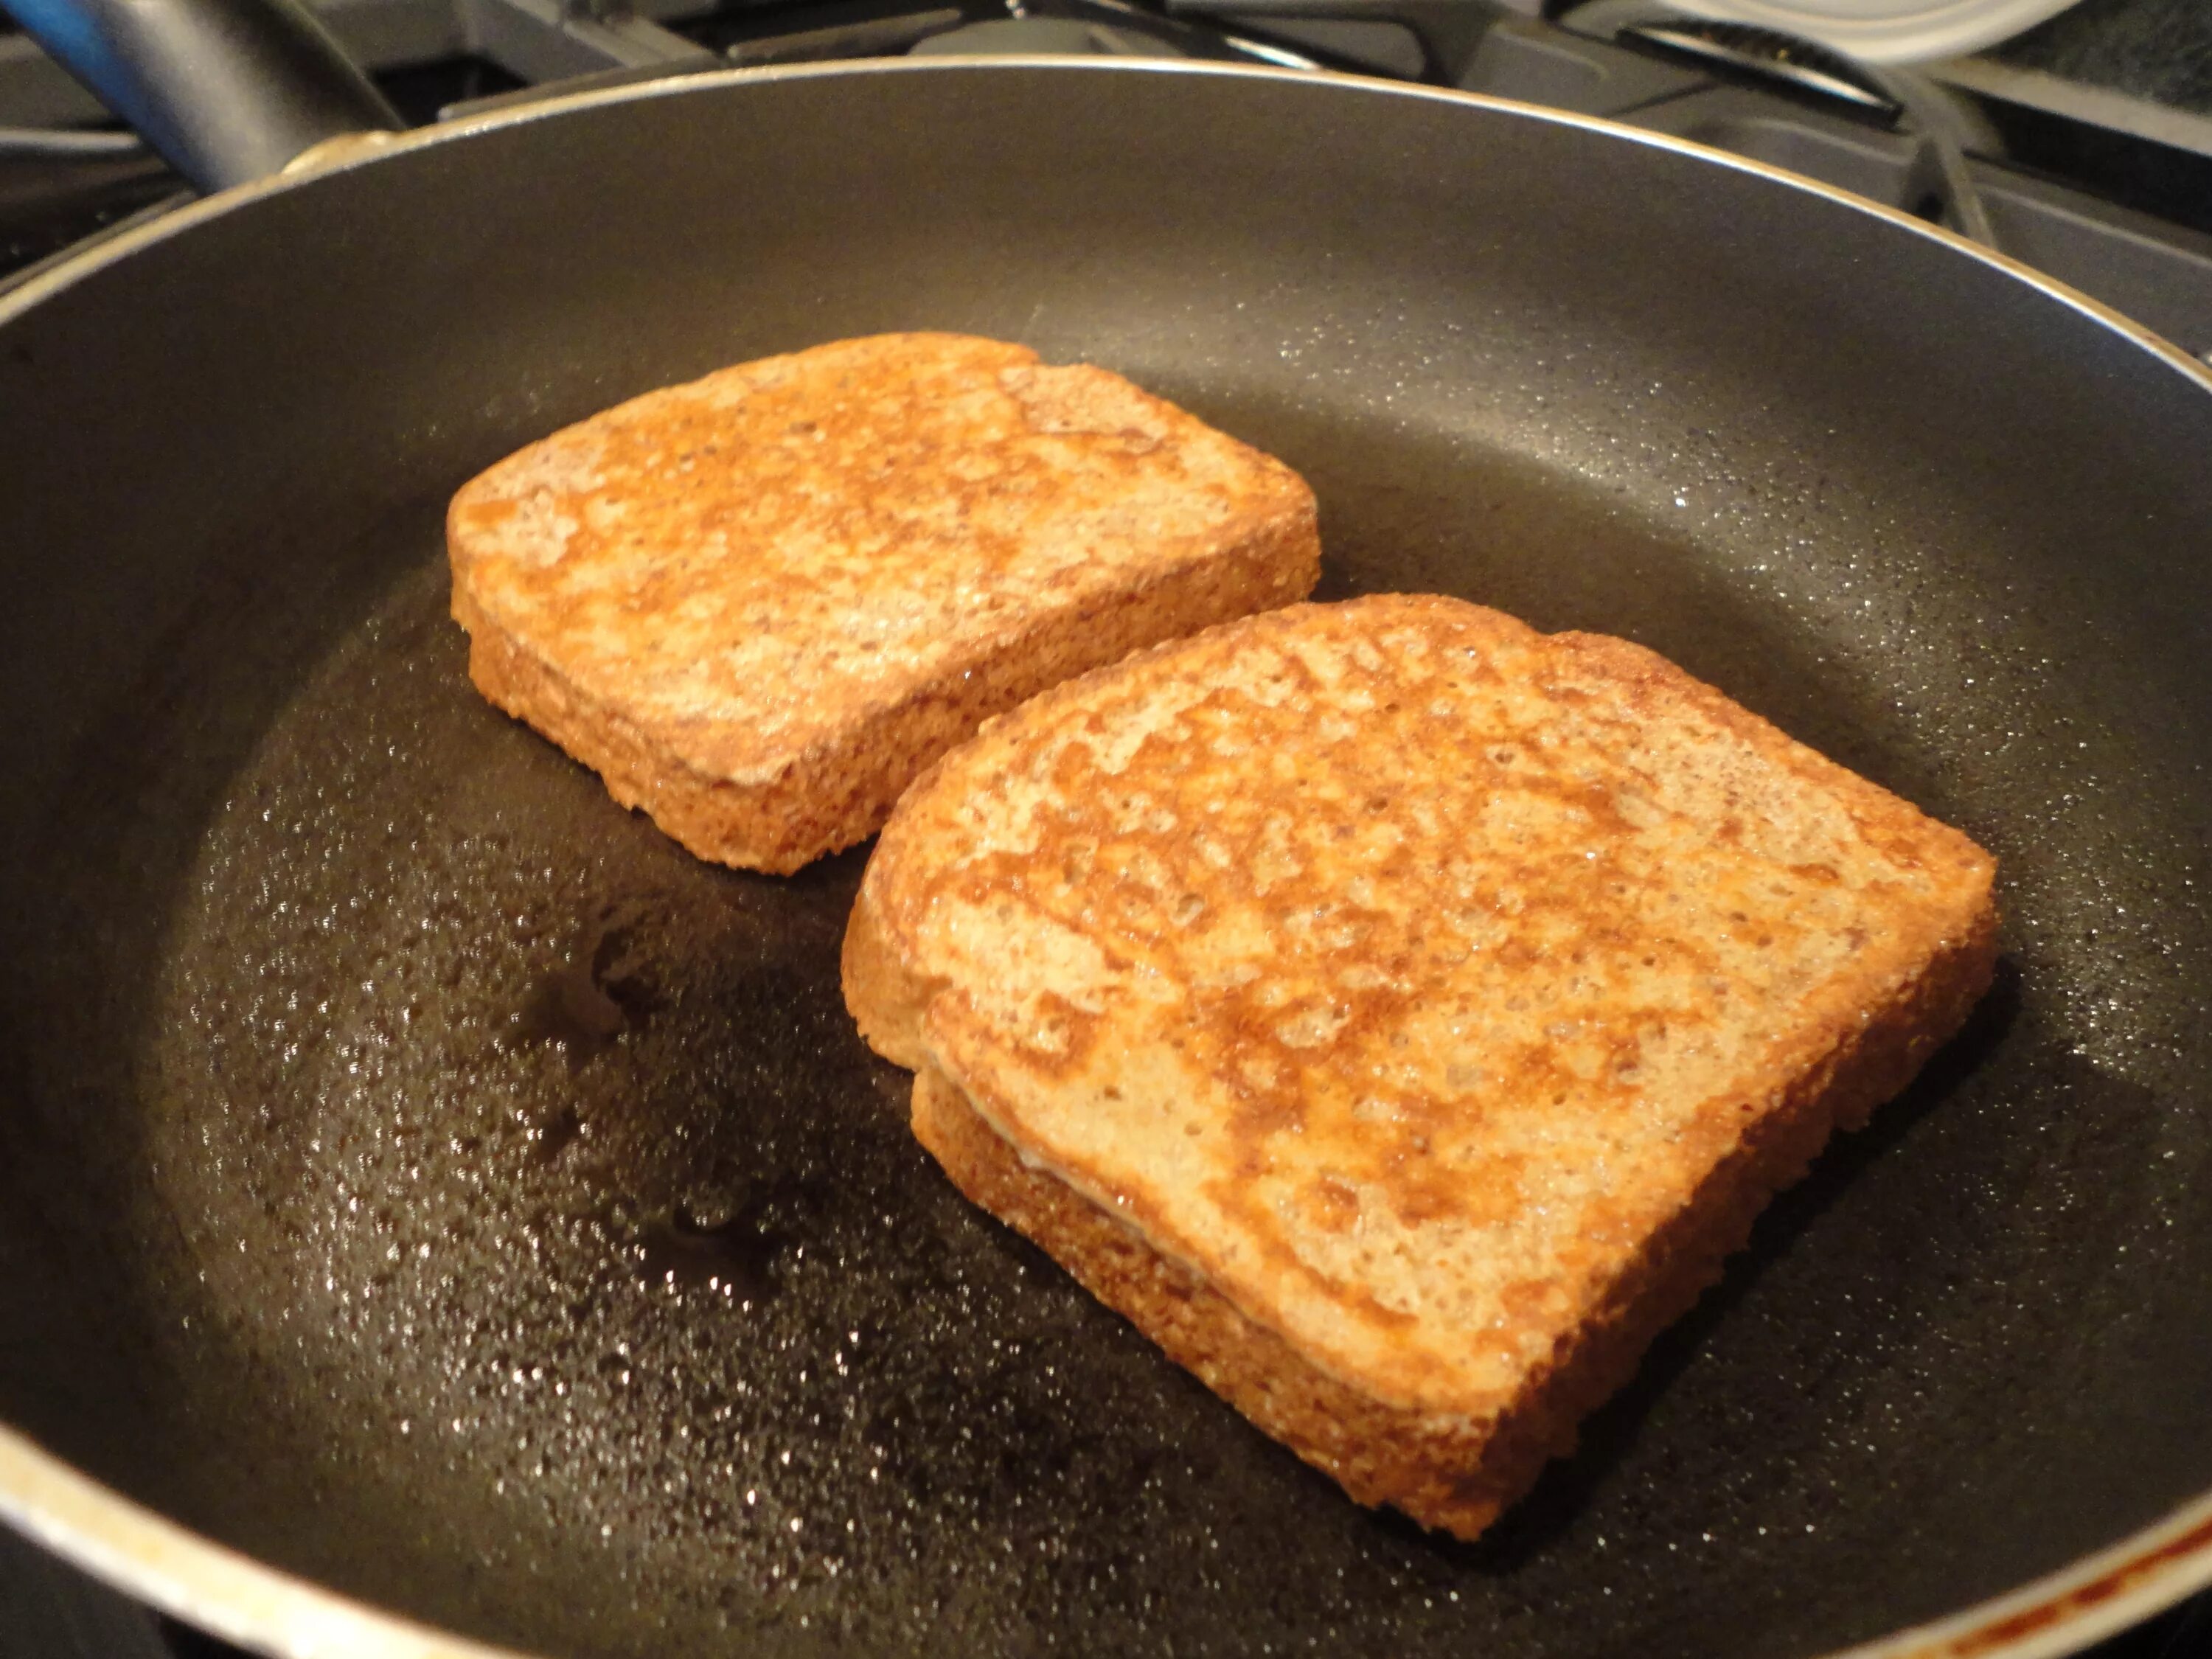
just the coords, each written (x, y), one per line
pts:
(2083, 148)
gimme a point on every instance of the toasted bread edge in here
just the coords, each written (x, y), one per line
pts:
(885, 997)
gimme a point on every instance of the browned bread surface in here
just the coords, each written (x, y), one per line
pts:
(760, 603)
(1399, 1014)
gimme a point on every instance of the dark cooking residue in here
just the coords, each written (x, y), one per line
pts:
(584, 1004)
(738, 1256)
(554, 1136)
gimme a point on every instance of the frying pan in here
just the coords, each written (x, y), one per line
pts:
(435, 1211)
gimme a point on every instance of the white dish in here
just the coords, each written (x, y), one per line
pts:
(1889, 31)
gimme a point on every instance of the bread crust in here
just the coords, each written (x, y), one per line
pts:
(1443, 1449)
(706, 765)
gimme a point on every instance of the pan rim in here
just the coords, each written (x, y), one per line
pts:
(368, 150)
(249, 1602)
(225, 1592)
(244, 1600)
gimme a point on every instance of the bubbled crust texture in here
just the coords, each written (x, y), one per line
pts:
(1442, 1000)
(760, 603)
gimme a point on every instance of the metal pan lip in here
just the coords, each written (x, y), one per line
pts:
(2099, 1596)
(248, 1602)
(245, 1602)
(208, 1585)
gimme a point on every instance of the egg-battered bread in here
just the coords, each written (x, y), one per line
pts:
(1399, 1013)
(759, 603)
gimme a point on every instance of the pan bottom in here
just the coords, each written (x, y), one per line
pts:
(500, 1219)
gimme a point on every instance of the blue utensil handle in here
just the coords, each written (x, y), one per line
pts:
(225, 91)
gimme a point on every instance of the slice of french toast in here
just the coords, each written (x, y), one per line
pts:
(1399, 1013)
(760, 603)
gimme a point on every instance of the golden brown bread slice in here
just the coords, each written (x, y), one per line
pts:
(1399, 1013)
(759, 603)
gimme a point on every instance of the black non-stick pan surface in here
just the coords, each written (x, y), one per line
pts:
(418, 1173)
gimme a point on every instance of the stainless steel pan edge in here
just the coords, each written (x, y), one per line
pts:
(241, 1601)
(216, 1590)
(246, 1602)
